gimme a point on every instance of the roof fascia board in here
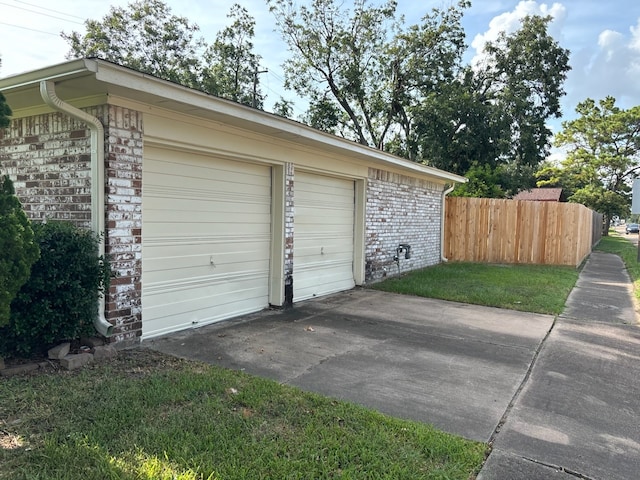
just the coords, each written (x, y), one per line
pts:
(56, 72)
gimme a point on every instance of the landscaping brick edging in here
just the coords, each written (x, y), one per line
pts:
(93, 350)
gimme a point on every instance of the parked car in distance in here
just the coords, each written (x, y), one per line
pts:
(632, 228)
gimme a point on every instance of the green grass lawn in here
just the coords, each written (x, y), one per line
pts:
(617, 244)
(529, 288)
(149, 416)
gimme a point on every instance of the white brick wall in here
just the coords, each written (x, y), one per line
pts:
(401, 209)
(123, 163)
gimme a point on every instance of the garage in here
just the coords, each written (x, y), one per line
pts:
(324, 235)
(207, 237)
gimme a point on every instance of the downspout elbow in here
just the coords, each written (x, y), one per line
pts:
(48, 94)
(442, 217)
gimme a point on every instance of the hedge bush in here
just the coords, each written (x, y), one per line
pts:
(18, 248)
(60, 299)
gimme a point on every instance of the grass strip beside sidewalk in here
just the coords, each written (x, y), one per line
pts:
(527, 288)
(146, 415)
(628, 252)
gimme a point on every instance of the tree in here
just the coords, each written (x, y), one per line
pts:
(147, 37)
(233, 66)
(144, 36)
(283, 108)
(5, 112)
(495, 114)
(362, 67)
(603, 156)
(18, 249)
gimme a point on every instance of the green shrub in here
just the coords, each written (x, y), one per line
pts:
(60, 299)
(18, 248)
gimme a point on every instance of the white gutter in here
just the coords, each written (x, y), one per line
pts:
(442, 215)
(48, 94)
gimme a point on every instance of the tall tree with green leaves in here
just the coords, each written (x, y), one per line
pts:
(232, 66)
(362, 70)
(493, 119)
(603, 156)
(144, 36)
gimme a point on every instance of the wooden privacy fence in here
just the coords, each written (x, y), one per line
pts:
(492, 230)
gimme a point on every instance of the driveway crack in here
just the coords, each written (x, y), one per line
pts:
(558, 468)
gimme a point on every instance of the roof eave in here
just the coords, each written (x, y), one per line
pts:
(170, 95)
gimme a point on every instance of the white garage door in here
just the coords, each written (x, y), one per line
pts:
(323, 230)
(206, 239)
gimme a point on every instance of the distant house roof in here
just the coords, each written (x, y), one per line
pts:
(540, 194)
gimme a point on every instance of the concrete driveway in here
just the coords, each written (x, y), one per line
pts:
(452, 365)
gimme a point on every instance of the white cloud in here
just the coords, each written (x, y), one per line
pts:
(509, 22)
(635, 37)
(610, 67)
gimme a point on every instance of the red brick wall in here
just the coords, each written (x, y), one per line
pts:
(48, 158)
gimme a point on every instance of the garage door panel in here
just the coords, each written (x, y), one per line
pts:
(240, 206)
(177, 269)
(168, 164)
(323, 226)
(337, 251)
(323, 280)
(182, 314)
(173, 294)
(209, 189)
(198, 229)
(215, 219)
(198, 210)
(163, 258)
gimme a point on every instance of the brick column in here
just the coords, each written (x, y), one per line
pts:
(123, 198)
(288, 229)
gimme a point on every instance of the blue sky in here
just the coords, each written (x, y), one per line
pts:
(604, 38)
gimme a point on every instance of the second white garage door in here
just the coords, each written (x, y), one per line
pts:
(206, 239)
(323, 235)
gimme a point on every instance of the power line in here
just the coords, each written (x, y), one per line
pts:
(30, 29)
(50, 10)
(41, 13)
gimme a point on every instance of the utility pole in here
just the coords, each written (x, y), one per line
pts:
(255, 86)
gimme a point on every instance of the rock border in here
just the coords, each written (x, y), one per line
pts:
(92, 349)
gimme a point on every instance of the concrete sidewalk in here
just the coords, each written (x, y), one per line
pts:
(576, 416)
(556, 397)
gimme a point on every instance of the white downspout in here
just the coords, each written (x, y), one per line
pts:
(442, 215)
(48, 94)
